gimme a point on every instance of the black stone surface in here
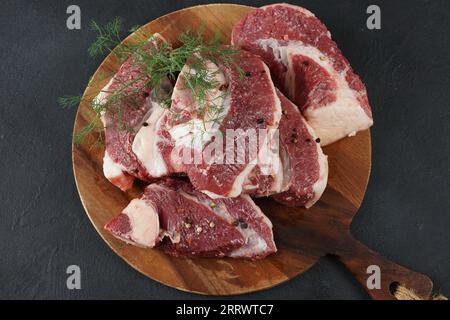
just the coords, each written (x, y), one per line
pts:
(43, 228)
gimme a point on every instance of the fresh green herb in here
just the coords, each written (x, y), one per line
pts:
(93, 125)
(134, 28)
(157, 63)
(107, 37)
(69, 101)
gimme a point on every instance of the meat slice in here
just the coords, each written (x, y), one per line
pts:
(243, 214)
(229, 138)
(130, 101)
(305, 165)
(308, 67)
(187, 223)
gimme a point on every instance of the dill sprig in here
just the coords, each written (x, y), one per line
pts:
(157, 63)
(133, 29)
(107, 37)
(67, 102)
(93, 125)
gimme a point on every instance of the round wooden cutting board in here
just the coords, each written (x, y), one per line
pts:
(302, 236)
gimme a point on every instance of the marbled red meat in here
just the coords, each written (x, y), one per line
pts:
(187, 223)
(308, 67)
(124, 116)
(246, 104)
(305, 165)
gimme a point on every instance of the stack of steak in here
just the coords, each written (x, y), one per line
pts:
(198, 202)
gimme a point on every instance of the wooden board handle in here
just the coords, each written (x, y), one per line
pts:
(358, 258)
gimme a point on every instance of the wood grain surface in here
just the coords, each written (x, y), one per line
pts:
(302, 236)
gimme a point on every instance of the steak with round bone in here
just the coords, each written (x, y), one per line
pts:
(227, 145)
(308, 67)
(187, 223)
(131, 101)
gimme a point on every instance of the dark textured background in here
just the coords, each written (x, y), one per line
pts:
(43, 227)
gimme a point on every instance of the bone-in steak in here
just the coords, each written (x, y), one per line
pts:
(240, 108)
(130, 101)
(187, 223)
(308, 67)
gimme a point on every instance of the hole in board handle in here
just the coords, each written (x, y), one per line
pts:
(393, 287)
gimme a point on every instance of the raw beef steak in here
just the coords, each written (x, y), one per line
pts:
(239, 108)
(308, 67)
(305, 165)
(187, 223)
(130, 101)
